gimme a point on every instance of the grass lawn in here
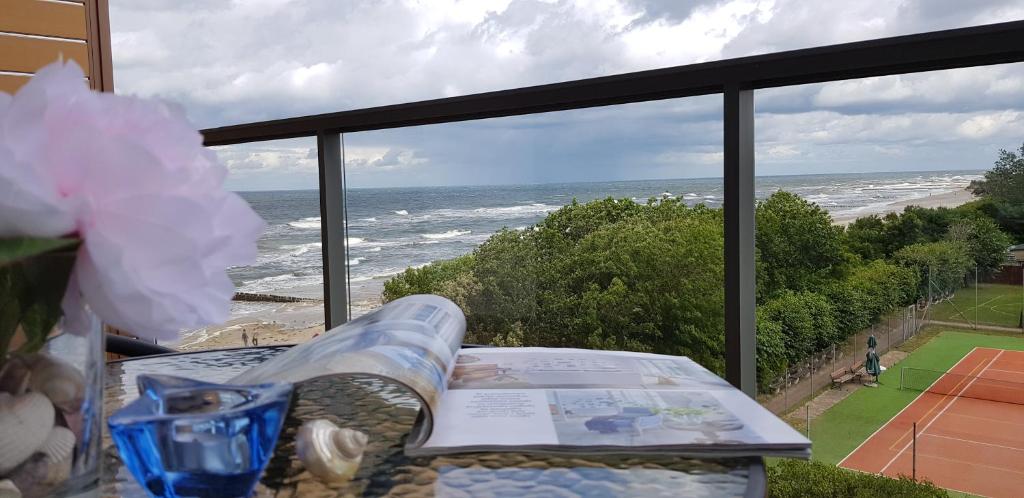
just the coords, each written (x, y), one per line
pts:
(844, 426)
(996, 305)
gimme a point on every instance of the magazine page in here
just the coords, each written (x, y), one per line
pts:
(596, 401)
(413, 340)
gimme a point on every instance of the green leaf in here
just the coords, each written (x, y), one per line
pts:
(17, 249)
(31, 291)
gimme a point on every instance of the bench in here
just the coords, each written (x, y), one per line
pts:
(846, 374)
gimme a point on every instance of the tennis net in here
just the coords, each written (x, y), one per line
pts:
(965, 386)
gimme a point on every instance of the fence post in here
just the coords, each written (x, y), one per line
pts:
(808, 407)
(901, 378)
(810, 379)
(833, 357)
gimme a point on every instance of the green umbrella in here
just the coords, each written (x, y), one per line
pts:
(872, 342)
(872, 365)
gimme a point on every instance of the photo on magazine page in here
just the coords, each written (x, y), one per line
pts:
(634, 417)
(544, 368)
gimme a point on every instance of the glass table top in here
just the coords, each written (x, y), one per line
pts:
(386, 412)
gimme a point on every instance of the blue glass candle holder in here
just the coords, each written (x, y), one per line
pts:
(186, 438)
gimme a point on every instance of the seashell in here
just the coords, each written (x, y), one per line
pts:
(59, 444)
(25, 423)
(59, 381)
(14, 375)
(8, 489)
(328, 452)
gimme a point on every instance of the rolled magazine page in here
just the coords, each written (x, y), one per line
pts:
(413, 340)
(564, 400)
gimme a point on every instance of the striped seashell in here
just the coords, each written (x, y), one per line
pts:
(25, 424)
(330, 453)
(59, 445)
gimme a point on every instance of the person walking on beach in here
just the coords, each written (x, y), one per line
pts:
(245, 338)
(255, 339)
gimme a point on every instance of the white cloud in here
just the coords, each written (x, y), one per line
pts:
(236, 61)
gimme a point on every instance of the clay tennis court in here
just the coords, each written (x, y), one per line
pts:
(965, 441)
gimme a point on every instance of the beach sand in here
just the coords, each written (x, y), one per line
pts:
(294, 323)
(945, 199)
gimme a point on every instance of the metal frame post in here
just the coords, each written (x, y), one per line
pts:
(332, 228)
(740, 303)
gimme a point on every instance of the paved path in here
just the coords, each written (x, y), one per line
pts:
(960, 325)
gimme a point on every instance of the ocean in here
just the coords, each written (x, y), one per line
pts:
(391, 229)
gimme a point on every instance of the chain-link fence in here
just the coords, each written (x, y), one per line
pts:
(986, 301)
(815, 373)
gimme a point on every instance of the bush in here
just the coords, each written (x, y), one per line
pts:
(868, 292)
(428, 279)
(771, 351)
(799, 479)
(942, 264)
(807, 322)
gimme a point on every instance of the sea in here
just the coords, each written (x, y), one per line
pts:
(391, 229)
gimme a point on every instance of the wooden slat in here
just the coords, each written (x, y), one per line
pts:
(10, 83)
(26, 55)
(97, 16)
(37, 17)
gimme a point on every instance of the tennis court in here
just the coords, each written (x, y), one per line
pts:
(970, 428)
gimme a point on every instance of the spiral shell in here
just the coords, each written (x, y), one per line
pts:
(59, 381)
(328, 452)
(25, 424)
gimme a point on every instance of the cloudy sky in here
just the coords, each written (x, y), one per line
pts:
(234, 61)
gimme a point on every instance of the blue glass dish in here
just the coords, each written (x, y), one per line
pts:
(186, 438)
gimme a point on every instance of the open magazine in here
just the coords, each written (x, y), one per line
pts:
(536, 399)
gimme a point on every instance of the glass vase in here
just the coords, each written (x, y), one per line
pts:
(50, 386)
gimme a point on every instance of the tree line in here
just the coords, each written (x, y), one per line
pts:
(617, 274)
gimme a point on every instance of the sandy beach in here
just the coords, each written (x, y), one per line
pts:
(945, 199)
(293, 323)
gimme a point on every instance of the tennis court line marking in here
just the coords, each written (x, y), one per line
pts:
(1014, 448)
(886, 424)
(939, 415)
(986, 420)
(974, 464)
(944, 397)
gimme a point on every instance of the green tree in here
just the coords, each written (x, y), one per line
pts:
(798, 246)
(866, 237)
(939, 265)
(1005, 181)
(807, 321)
(985, 242)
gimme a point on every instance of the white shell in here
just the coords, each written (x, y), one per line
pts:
(329, 452)
(8, 489)
(25, 423)
(59, 381)
(59, 445)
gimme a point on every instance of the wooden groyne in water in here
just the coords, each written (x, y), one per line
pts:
(271, 298)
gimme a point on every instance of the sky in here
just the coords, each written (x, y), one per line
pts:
(234, 61)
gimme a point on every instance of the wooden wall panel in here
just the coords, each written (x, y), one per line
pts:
(26, 54)
(10, 83)
(38, 17)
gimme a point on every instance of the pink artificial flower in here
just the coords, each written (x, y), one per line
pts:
(132, 179)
